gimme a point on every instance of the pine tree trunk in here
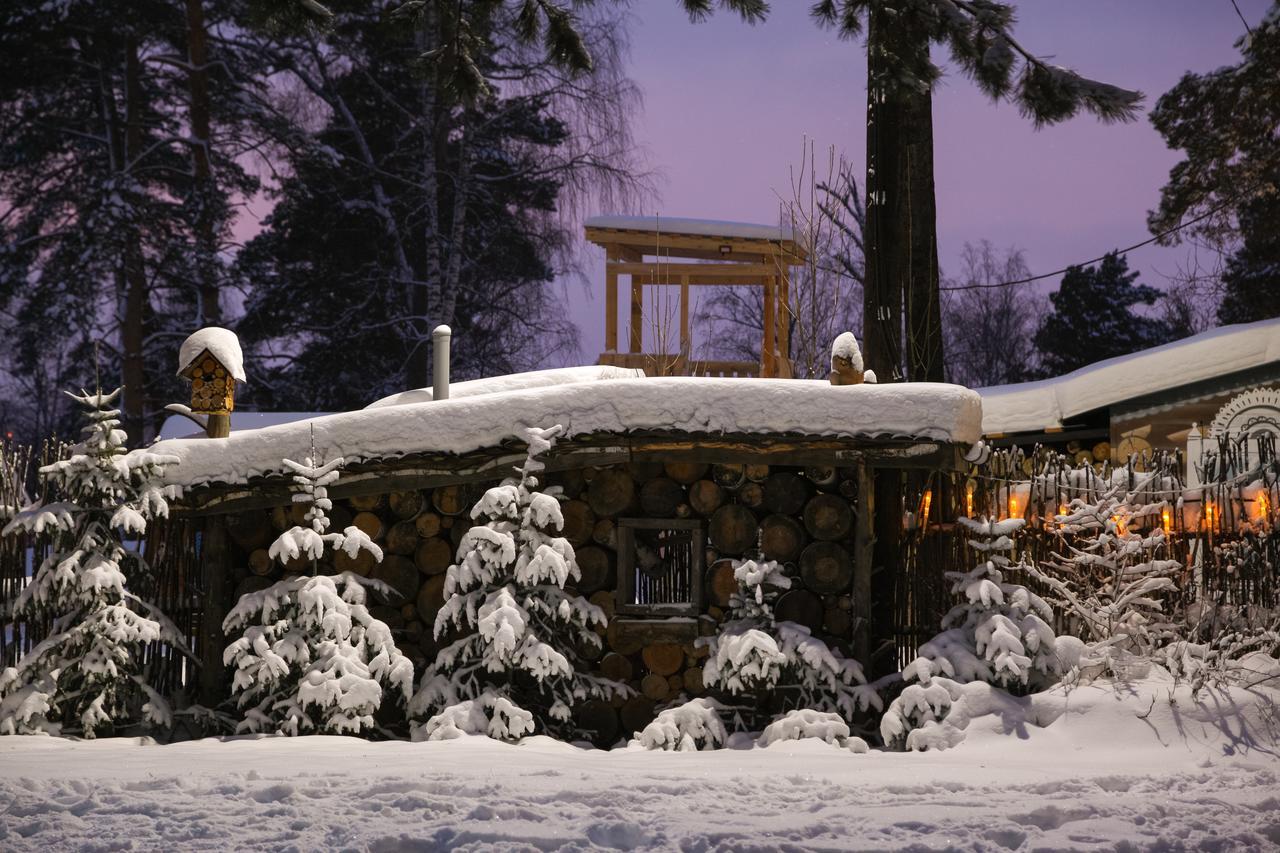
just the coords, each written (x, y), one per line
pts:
(201, 167)
(425, 296)
(901, 288)
(132, 328)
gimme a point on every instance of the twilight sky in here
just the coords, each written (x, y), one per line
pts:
(727, 104)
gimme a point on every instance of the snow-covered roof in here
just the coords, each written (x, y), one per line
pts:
(1036, 406)
(221, 343)
(923, 411)
(513, 382)
(178, 426)
(698, 227)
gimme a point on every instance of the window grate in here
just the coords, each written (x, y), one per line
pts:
(660, 566)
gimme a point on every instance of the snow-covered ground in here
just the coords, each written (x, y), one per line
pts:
(1190, 775)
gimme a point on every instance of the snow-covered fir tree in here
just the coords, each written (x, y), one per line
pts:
(86, 676)
(1111, 574)
(516, 628)
(309, 656)
(755, 654)
(999, 634)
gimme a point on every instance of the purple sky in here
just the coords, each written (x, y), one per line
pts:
(727, 104)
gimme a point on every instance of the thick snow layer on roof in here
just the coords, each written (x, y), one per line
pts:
(221, 343)
(697, 405)
(1035, 406)
(177, 426)
(699, 227)
(513, 382)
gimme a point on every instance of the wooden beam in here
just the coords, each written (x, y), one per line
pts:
(215, 572)
(768, 367)
(863, 548)
(672, 272)
(637, 315)
(427, 470)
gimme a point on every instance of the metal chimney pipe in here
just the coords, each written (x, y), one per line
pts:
(440, 356)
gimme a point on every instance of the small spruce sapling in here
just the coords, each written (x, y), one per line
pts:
(516, 627)
(998, 634)
(309, 657)
(754, 653)
(86, 676)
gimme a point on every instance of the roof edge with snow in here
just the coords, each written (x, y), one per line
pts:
(1048, 403)
(695, 406)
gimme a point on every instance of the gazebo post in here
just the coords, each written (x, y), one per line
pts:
(686, 342)
(637, 304)
(784, 319)
(768, 363)
(610, 302)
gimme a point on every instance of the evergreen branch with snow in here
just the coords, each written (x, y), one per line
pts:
(755, 654)
(310, 657)
(86, 675)
(512, 631)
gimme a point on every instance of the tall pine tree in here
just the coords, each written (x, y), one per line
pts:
(901, 247)
(403, 211)
(1226, 189)
(116, 170)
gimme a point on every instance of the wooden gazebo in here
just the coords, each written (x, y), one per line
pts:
(669, 252)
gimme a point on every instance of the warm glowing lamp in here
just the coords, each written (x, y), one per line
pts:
(926, 501)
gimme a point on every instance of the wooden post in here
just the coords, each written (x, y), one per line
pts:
(767, 365)
(217, 426)
(637, 313)
(215, 570)
(784, 316)
(610, 305)
(864, 544)
(686, 345)
(886, 566)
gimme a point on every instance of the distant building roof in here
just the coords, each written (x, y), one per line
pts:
(178, 426)
(1048, 403)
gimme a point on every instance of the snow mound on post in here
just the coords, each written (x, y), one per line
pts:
(846, 346)
(221, 343)
(702, 406)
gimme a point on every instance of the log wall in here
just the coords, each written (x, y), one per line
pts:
(803, 517)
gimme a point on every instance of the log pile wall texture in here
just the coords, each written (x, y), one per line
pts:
(802, 517)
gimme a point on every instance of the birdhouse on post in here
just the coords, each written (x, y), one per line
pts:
(212, 362)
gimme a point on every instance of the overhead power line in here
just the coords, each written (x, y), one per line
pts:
(1124, 251)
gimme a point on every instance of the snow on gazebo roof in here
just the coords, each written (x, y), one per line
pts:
(1046, 404)
(696, 227)
(695, 405)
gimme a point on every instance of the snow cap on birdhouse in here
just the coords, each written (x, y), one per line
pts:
(211, 360)
(846, 360)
